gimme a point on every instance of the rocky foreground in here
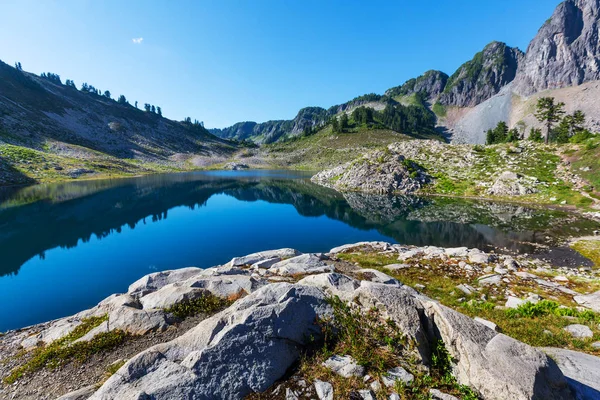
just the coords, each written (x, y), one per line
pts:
(276, 309)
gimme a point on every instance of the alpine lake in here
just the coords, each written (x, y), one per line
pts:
(66, 246)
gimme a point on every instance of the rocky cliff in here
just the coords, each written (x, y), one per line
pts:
(565, 51)
(482, 77)
(431, 84)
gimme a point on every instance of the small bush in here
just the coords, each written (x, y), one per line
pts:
(548, 307)
(362, 336)
(208, 304)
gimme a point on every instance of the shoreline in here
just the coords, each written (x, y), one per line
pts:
(524, 202)
(471, 274)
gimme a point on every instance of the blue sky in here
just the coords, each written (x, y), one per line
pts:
(224, 61)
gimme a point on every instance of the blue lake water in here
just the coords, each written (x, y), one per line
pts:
(64, 247)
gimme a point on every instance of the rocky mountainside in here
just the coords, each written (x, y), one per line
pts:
(565, 51)
(485, 90)
(308, 117)
(482, 77)
(431, 84)
(271, 131)
(43, 114)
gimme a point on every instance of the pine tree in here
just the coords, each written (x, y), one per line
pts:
(535, 135)
(159, 111)
(344, 122)
(122, 100)
(335, 126)
(548, 112)
(489, 137)
(513, 135)
(107, 94)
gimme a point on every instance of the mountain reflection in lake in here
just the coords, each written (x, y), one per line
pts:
(64, 247)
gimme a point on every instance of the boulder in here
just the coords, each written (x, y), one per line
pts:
(495, 365)
(376, 276)
(157, 280)
(304, 264)
(492, 279)
(579, 331)
(139, 322)
(591, 301)
(56, 330)
(366, 394)
(344, 366)
(263, 255)
(333, 283)
(438, 395)
(378, 171)
(226, 285)
(401, 305)
(477, 256)
(324, 390)
(581, 370)
(397, 374)
(240, 350)
(79, 394)
(511, 184)
(376, 246)
(396, 267)
(513, 302)
(457, 252)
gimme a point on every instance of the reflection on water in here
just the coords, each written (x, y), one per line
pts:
(68, 245)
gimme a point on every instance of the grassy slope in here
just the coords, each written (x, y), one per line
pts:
(542, 329)
(25, 165)
(536, 160)
(326, 149)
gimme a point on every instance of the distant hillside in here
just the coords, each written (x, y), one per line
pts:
(311, 119)
(474, 82)
(43, 118)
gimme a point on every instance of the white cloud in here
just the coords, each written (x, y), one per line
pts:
(137, 40)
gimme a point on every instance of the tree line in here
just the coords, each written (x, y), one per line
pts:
(90, 89)
(397, 117)
(560, 127)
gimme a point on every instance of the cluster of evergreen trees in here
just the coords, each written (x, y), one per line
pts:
(560, 128)
(152, 109)
(52, 77)
(404, 119)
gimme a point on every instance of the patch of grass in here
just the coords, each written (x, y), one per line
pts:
(440, 377)
(366, 337)
(549, 307)
(539, 326)
(207, 304)
(114, 367)
(589, 249)
(439, 110)
(377, 344)
(65, 350)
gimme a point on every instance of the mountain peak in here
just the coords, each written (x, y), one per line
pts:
(565, 51)
(483, 76)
